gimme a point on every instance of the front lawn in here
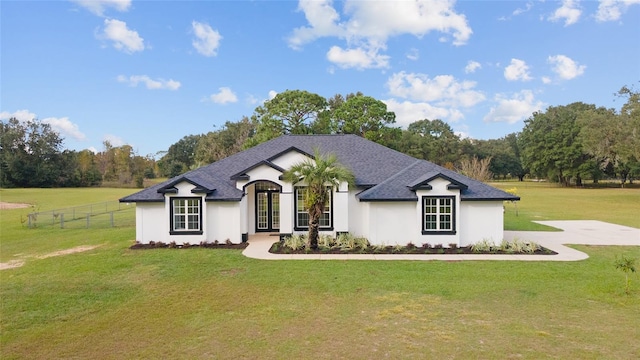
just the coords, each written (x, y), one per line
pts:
(113, 302)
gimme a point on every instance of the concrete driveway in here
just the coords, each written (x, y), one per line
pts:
(587, 232)
(578, 232)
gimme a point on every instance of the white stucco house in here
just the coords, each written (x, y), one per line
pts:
(396, 198)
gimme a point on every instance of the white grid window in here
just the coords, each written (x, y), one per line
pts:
(439, 214)
(302, 214)
(186, 215)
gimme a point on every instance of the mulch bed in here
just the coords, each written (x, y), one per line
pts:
(159, 245)
(278, 249)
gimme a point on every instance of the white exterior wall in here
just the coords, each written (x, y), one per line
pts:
(251, 208)
(223, 221)
(244, 215)
(151, 222)
(392, 223)
(286, 210)
(358, 214)
(481, 220)
(341, 208)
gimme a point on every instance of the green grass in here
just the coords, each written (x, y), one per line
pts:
(17, 239)
(116, 303)
(544, 201)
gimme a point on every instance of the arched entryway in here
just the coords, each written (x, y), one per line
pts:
(267, 206)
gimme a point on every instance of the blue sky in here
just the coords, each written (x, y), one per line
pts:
(147, 73)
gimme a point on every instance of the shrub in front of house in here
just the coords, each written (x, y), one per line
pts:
(346, 243)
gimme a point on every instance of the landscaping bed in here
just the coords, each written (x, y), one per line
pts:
(361, 246)
(207, 245)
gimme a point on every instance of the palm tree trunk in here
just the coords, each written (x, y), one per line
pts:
(314, 225)
(313, 235)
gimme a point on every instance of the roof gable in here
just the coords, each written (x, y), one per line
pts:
(422, 183)
(242, 174)
(170, 187)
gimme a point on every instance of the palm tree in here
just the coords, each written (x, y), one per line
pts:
(322, 172)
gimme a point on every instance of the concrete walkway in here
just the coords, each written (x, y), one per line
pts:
(587, 232)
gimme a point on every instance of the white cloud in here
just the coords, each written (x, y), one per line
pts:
(21, 115)
(519, 11)
(443, 90)
(511, 110)
(358, 58)
(409, 111)
(546, 80)
(62, 126)
(224, 96)
(611, 10)
(569, 11)
(272, 94)
(322, 17)
(207, 40)
(369, 24)
(517, 70)
(65, 127)
(114, 140)
(151, 84)
(565, 67)
(423, 97)
(472, 66)
(98, 7)
(413, 54)
(123, 38)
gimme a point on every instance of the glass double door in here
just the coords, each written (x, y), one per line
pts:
(267, 211)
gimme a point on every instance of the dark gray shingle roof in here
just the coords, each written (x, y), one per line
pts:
(387, 174)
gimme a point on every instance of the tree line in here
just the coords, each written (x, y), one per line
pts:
(31, 155)
(565, 144)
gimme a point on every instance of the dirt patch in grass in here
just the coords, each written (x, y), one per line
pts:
(12, 264)
(10, 206)
(74, 250)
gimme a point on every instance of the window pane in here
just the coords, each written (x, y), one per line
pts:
(179, 207)
(262, 210)
(178, 222)
(325, 220)
(275, 211)
(303, 219)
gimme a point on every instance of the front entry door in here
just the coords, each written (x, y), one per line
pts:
(267, 211)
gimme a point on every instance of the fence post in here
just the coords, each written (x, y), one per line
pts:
(62, 221)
